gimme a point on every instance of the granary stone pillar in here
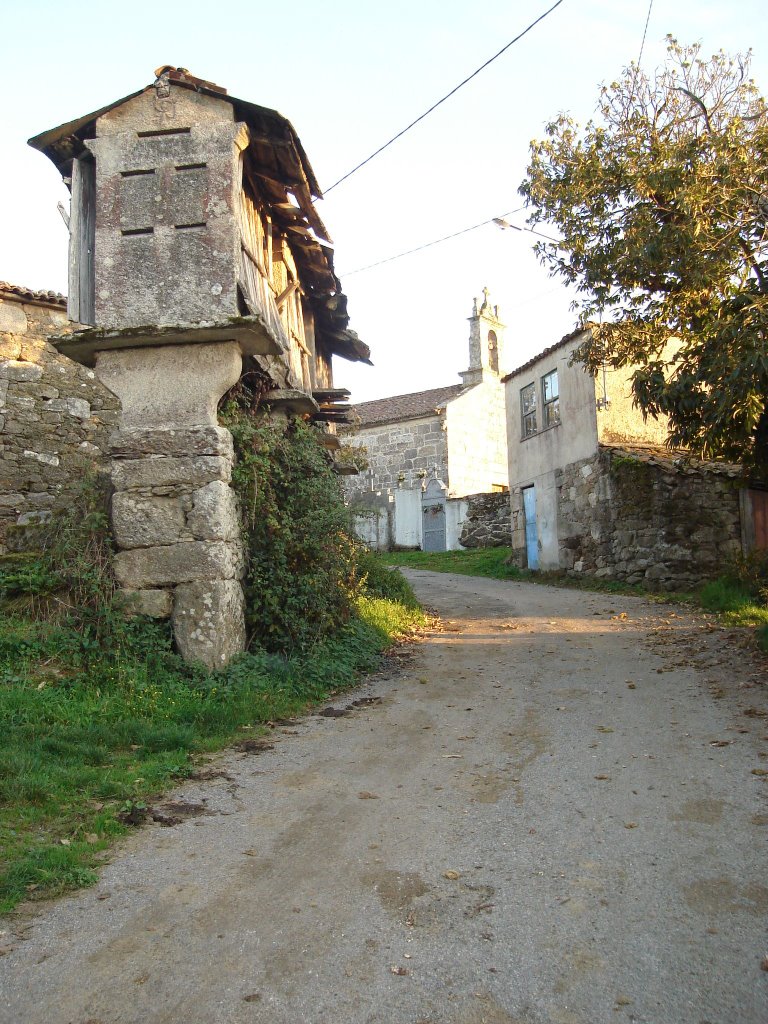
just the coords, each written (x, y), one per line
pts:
(174, 515)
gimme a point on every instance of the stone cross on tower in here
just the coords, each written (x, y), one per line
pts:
(486, 334)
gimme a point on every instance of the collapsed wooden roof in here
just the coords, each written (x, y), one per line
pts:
(278, 169)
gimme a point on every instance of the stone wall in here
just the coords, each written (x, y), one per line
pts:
(55, 416)
(400, 453)
(665, 525)
(487, 522)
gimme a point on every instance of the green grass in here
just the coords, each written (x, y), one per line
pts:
(489, 562)
(738, 606)
(89, 733)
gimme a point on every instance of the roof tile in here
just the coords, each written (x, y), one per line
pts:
(405, 407)
(52, 298)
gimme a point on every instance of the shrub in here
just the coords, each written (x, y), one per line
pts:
(300, 557)
(379, 580)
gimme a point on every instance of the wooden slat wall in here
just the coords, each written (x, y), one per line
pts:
(255, 278)
(81, 300)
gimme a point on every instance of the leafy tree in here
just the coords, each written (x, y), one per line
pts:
(662, 205)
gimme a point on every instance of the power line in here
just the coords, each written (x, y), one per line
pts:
(500, 221)
(443, 99)
(645, 32)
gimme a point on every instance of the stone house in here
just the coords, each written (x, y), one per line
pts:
(55, 415)
(449, 441)
(595, 492)
(197, 260)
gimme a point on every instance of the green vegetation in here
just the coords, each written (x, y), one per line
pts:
(301, 573)
(100, 715)
(741, 596)
(490, 562)
(660, 211)
(88, 736)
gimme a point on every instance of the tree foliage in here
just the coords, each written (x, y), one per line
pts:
(662, 205)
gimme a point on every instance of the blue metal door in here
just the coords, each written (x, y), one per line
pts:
(531, 537)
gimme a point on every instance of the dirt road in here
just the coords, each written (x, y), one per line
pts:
(552, 812)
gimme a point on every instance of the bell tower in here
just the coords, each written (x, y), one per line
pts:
(486, 336)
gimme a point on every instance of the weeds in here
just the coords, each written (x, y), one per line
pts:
(86, 738)
(100, 715)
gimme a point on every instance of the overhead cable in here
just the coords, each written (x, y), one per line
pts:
(443, 99)
(499, 221)
(645, 33)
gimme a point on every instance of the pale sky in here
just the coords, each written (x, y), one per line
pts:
(349, 76)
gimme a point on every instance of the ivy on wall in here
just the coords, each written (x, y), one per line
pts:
(301, 575)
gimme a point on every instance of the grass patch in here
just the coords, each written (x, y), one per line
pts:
(90, 733)
(489, 562)
(738, 605)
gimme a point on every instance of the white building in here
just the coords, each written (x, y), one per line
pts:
(451, 440)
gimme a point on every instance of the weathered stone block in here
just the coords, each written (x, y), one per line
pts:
(185, 562)
(143, 522)
(76, 407)
(209, 621)
(33, 518)
(17, 370)
(13, 319)
(45, 457)
(214, 514)
(172, 386)
(137, 443)
(157, 604)
(132, 474)
(10, 346)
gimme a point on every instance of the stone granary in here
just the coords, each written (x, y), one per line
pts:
(196, 256)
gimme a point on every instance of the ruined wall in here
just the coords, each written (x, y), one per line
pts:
(399, 452)
(55, 416)
(487, 522)
(668, 527)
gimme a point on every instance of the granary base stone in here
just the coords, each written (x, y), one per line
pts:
(174, 515)
(156, 604)
(209, 621)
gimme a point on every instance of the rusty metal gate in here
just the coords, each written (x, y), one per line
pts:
(433, 516)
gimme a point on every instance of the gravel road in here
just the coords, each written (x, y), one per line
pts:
(551, 811)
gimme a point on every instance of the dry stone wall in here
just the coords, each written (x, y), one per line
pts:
(487, 523)
(55, 416)
(668, 527)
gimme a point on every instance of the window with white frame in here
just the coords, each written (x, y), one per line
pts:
(550, 394)
(528, 409)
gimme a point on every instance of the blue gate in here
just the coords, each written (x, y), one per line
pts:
(531, 536)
